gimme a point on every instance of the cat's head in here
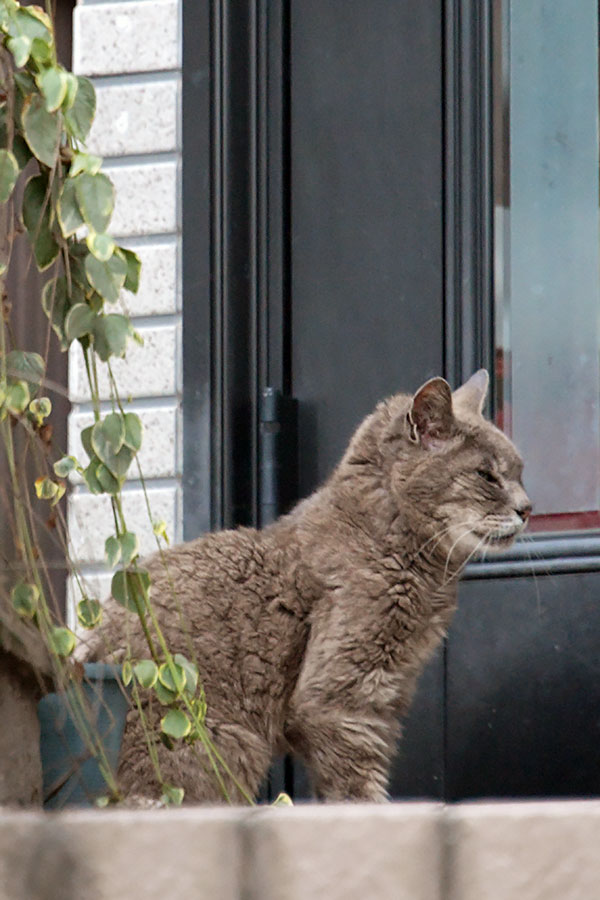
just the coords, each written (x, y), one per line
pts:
(454, 472)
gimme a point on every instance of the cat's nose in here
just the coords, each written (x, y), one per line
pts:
(524, 511)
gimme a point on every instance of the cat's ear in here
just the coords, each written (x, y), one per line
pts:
(471, 395)
(430, 417)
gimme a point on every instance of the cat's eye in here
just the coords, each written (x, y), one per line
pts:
(487, 476)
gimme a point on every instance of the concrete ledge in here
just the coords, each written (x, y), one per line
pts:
(526, 851)
(91, 856)
(345, 853)
(401, 851)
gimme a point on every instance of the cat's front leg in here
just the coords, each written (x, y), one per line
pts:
(337, 722)
(348, 752)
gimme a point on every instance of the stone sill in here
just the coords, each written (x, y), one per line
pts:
(405, 851)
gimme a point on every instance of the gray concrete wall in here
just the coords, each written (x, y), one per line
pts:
(402, 851)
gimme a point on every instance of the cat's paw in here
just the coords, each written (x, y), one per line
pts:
(140, 801)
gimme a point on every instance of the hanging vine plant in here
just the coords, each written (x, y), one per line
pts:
(52, 188)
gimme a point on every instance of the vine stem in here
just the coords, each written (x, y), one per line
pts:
(212, 752)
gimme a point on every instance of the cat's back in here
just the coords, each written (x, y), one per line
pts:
(218, 588)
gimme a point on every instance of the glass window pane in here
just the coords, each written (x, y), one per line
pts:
(547, 251)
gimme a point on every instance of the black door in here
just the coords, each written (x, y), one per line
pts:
(345, 172)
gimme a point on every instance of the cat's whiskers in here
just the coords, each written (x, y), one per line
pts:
(469, 557)
(528, 539)
(437, 537)
(476, 550)
(470, 530)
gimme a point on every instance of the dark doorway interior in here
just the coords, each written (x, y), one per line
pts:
(337, 234)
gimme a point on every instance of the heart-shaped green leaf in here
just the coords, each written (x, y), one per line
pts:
(71, 94)
(90, 477)
(17, 397)
(34, 22)
(89, 612)
(25, 599)
(106, 277)
(134, 267)
(23, 365)
(127, 672)
(96, 198)
(41, 130)
(110, 335)
(110, 484)
(79, 321)
(41, 51)
(112, 551)
(40, 409)
(67, 209)
(129, 589)
(172, 677)
(129, 547)
(165, 696)
(21, 151)
(56, 305)
(176, 724)
(52, 83)
(20, 47)
(113, 429)
(84, 162)
(133, 431)
(101, 245)
(9, 172)
(62, 641)
(8, 9)
(25, 83)
(86, 440)
(146, 672)
(45, 488)
(190, 671)
(62, 467)
(107, 435)
(79, 118)
(61, 487)
(37, 216)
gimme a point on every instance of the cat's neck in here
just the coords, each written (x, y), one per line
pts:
(341, 526)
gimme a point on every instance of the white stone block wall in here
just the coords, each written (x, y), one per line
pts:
(400, 851)
(131, 49)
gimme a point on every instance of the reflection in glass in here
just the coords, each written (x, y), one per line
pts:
(547, 251)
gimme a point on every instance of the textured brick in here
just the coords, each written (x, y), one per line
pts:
(91, 520)
(158, 292)
(524, 851)
(186, 854)
(158, 456)
(345, 853)
(148, 371)
(110, 38)
(146, 198)
(135, 118)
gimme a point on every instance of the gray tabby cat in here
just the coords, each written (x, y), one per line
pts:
(310, 634)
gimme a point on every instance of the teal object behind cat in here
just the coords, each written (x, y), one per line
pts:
(71, 776)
